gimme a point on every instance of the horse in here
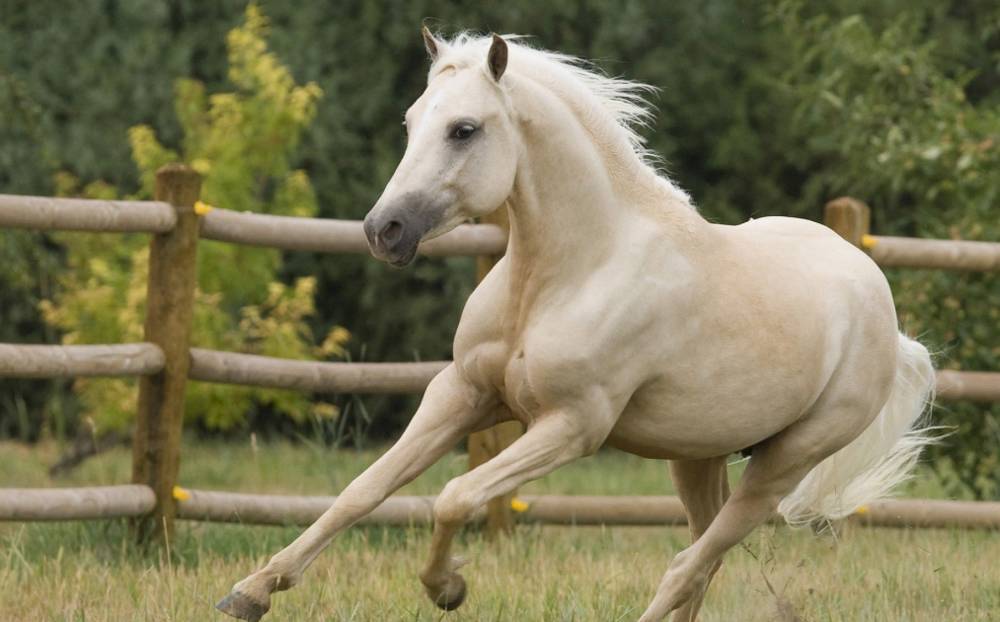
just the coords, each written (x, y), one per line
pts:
(620, 316)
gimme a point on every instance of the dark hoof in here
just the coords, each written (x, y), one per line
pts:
(240, 606)
(452, 599)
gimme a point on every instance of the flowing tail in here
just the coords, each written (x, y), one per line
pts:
(882, 457)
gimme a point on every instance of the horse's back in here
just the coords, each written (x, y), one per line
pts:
(811, 248)
(786, 225)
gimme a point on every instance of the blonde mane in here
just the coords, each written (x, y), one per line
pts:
(613, 109)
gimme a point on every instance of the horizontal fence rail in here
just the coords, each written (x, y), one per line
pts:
(257, 509)
(99, 502)
(895, 252)
(977, 386)
(930, 513)
(41, 504)
(629, 510)
(142, 359)
(265, 371)
(336, 236)
(31, 361)
(255, 370)
(260, 509)
(55, 214)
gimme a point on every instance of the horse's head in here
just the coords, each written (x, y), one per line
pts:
(460, 154)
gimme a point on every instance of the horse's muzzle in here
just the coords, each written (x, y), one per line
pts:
(394, 230)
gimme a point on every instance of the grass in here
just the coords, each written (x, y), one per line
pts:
(88, 571)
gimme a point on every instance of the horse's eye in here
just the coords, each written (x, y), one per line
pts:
(463, 131)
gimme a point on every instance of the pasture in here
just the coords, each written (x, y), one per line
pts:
(90, 571)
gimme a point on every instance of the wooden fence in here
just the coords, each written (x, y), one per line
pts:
(164, 362)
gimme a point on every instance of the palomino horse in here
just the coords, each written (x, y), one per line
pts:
(620, 316)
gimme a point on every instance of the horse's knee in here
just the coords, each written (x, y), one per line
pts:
(456, 503)
(687, 572)
(683, 558)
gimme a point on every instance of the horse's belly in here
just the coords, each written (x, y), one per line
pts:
(651, 440)
(710, 420)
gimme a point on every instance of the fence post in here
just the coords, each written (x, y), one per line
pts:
(850, 218)
(488, 443)
(169, 306)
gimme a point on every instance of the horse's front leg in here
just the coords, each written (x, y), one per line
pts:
(551, 441)
(450, 410)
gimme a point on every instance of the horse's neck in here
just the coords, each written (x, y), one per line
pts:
(574, 207)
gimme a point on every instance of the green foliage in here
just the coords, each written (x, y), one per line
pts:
(29, 265)
(241, 142)
(73, 78)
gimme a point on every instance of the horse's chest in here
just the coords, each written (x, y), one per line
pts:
(497, 367)
(517, 390)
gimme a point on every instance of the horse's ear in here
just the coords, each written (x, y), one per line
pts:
(430, 43)
(497, 58)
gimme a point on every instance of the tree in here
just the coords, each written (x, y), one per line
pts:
(242, 143)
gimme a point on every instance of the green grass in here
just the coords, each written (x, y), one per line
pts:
(88, 571)
(307, 468)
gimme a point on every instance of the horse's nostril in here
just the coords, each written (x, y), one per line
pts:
(392, 232)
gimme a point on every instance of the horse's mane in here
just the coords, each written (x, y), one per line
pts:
(614, 109)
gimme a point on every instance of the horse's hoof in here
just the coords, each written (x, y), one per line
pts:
(242, 607)
(453, 596)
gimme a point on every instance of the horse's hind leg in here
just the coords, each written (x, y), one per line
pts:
(703, 487)
(777, 466)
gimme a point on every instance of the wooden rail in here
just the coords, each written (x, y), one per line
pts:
(976, 386)
(930, 513)
(101, 502)
(48, 214)
(336, 236)
(143, 359)
(256, 509)
(616, 510)
(893, 252)
(42, 504)
(265, 371)
(132, 359)
(852, 220)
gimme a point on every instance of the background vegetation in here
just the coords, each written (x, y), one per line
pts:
(767, 107)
